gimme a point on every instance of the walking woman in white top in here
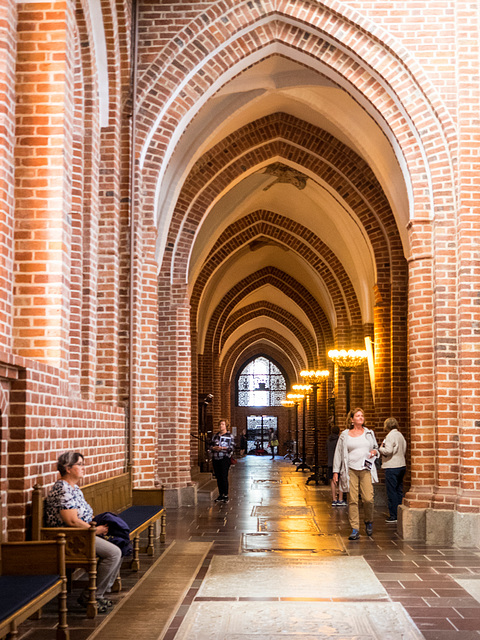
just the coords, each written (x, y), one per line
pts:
(354, 462)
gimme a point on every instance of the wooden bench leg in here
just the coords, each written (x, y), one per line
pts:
(63, 632)
(135, 564)
(37, 615)
(117, 585)
(13, 633)
(163, 528)
(150, 547)
(92, 590)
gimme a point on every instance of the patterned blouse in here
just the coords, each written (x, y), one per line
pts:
(222, 440)
(63, 496)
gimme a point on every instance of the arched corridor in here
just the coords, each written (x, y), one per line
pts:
(275, 560)
(189, 186)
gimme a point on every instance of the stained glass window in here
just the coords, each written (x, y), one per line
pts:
(261, 384)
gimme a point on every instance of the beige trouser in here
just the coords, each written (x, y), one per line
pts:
(360, 482)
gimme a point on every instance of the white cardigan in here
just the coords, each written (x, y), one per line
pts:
(340, 460)
(393, 450)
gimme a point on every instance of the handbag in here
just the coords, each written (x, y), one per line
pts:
(274, 443)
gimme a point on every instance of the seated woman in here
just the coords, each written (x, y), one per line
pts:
(65, 505)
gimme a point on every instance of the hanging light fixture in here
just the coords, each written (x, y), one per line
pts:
(347, 361)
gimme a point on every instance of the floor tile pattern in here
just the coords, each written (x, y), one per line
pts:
(434, 584)
(297, 621)
(287, 524)
(293, 542)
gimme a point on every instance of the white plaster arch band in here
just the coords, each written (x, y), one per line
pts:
(166, 214)
(4, 399)
(248, 61)
(301, 58)
(100, 52)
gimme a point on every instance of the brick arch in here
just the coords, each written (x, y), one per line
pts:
(266, 276)
(254, 343)
(290, 233)
(204, 60)
(270, 310)
(310, 149)
(266, 341)
(226, 19)
(421, 135)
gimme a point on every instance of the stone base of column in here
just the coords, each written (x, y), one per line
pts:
(181, 497)
(439, 527)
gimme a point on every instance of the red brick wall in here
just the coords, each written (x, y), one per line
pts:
(64, 378)
(42, 175)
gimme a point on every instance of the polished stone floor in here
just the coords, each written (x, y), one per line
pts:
(277, 564)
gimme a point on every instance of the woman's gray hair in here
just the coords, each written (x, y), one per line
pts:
(390, 423)
(67, 460)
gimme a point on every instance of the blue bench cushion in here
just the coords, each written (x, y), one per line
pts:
(136, 516)
(17, 591)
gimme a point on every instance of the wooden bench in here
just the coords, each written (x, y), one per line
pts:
(140, 508)
(32, 574)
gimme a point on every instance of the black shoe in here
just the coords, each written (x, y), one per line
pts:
(102, 606)
(219, 499)
(224, 498)
(102, 603)
(354, 535)
(369, 528)
(391, 519)
(83, 600)
(105, 601)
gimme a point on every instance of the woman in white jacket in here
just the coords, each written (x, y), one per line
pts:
(354, 463)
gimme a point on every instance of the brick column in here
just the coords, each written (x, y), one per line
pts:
(7, 140)
(42, 181)
(468, 230)
(422, 380)
(174, 401)
(145, 359)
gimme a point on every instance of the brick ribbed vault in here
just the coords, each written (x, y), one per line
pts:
(267, 276)
(314, 152)
(297, 238)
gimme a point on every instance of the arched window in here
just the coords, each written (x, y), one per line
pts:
(261, 384)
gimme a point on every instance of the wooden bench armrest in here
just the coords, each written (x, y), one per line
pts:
(79, 542)
(147, 497)
(34, 558)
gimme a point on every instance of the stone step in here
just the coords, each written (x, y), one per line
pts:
(206, 487)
